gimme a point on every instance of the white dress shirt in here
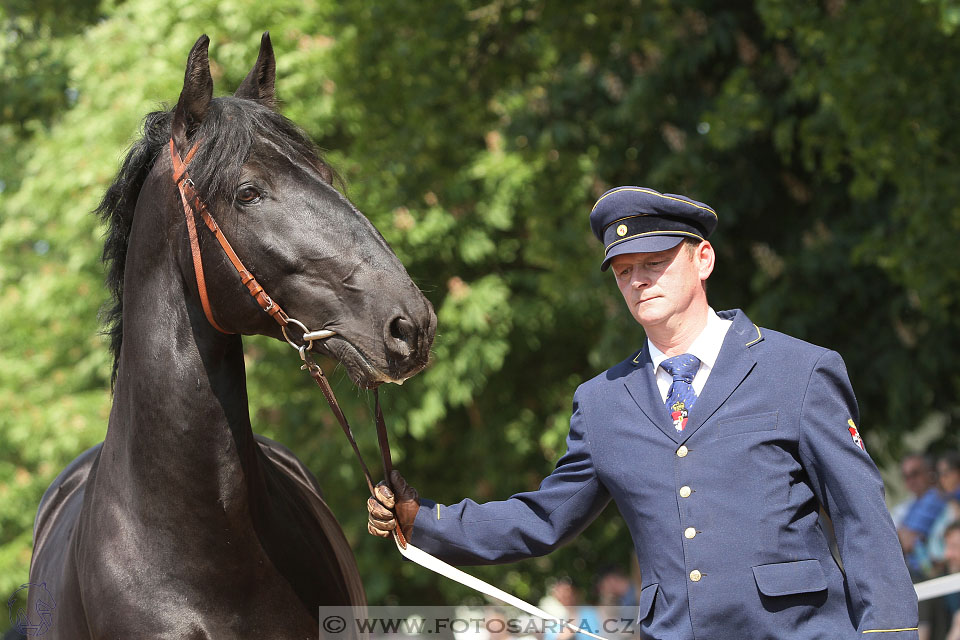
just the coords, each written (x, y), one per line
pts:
(706, 347)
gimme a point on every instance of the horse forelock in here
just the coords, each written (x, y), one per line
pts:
(226, 136)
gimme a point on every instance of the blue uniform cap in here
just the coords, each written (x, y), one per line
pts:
(641, 220)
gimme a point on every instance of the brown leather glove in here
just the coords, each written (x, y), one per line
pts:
(391, 506)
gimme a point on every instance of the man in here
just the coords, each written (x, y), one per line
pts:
(917, 477)
(914, 530)
(719, 441)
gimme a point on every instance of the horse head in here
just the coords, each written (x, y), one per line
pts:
(304, 242)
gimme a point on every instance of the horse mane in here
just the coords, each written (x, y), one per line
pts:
(234, 124)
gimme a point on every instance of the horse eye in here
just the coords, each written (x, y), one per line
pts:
(248, 195)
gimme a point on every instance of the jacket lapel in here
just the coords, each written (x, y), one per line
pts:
(734, 364)
(641, 384)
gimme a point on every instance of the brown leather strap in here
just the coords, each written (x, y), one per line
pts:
(192, 204)
(384, 443)
(317, 374)
(198, 265)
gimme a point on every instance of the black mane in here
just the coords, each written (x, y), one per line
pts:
(227, 134)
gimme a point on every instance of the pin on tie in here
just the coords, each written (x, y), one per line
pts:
(681, 396)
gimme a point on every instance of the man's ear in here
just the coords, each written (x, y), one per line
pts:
(195, 97)
(259, 83)
(706, 259)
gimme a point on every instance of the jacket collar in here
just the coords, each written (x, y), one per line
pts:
(733, 365)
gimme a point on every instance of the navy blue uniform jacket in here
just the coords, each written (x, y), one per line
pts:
(724, 515)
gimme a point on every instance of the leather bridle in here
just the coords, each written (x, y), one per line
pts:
(192, 203)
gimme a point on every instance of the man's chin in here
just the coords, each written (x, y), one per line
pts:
(649, 313)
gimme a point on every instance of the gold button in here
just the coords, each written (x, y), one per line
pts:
(689, 532)
(682, 451)
(622, 230)
(685, 491)
(695, 575)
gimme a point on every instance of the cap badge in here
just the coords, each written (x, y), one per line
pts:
(622, 230)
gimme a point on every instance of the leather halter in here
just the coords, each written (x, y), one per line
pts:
(192, 204)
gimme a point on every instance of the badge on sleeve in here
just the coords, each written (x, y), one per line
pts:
(855, 434)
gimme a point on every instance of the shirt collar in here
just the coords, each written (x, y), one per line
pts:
(706, 346)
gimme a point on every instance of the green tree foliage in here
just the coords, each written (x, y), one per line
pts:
(476, 136)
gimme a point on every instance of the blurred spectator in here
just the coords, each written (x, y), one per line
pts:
(952, 555)
(498, 626)
(948, 474)
(613, 587)
(564, 594)
(912, 473)
(921, 479)
(616, 603)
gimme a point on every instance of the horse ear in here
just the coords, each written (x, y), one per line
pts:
(259, 83)
(196, 94)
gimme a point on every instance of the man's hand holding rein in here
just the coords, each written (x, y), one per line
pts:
(391, 506)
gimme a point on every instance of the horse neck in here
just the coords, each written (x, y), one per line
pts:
(179, 433)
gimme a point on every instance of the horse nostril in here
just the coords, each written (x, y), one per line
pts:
(403, 334)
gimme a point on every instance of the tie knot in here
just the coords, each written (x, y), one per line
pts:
(682, 367)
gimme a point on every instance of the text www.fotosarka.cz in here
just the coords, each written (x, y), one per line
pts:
(467, 622)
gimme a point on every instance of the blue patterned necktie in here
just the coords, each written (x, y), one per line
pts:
(681, 397)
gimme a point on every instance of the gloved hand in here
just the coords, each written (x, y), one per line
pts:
(390, 506)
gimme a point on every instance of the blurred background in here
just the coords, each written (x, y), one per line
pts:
(476, 136)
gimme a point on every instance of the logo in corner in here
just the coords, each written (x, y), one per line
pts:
(32, 623)
(855, 434)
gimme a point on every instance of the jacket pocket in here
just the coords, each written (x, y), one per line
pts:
(645, 603)
(748, 424)
(788, 578)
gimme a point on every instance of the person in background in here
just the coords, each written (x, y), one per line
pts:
(911, 480)
(565, 603)
(921, 479)
(616, 601)
(951, 538)
(929, 553)
(948, 477)
(613, 587)
(948, 474)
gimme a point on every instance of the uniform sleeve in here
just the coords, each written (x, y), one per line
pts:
(848, 485)
(527, 524)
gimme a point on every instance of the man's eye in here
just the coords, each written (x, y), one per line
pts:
(248, 195)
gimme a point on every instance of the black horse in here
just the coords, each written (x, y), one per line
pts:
(183, 523)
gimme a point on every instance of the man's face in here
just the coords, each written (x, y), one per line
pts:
(951, 550)
(659, 286)
(916, 476)
(948, 476)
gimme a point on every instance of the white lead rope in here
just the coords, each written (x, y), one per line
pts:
(437, 565)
